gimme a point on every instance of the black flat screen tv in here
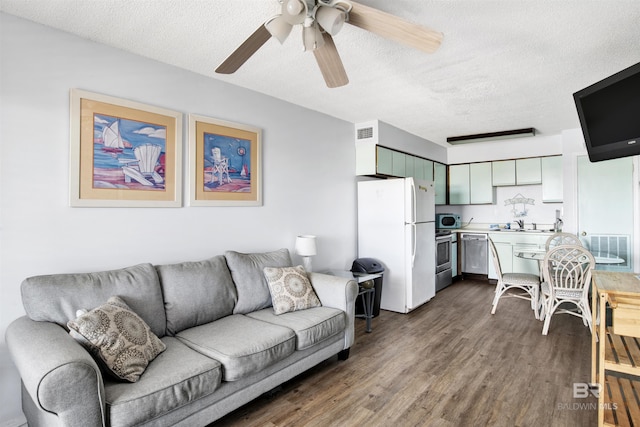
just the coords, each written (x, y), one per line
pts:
(609, 113)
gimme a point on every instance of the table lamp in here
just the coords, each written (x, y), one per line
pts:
(306, 248)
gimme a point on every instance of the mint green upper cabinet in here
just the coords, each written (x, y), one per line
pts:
(480, 184)
(503, 172)
(410, 166)
(459, 189)
(391, 162)
(552, 179)
(399, 164)
(440, 180)
(528, 171)
(384, 164)
(426, 166)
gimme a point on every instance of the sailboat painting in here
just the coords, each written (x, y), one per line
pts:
(227, 164)
(128, 154)
(123, 153)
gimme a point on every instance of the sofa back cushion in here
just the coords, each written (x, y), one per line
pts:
(196, 293)
(56, 298)
(247, 271)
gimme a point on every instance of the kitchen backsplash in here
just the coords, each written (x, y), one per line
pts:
(499, 213)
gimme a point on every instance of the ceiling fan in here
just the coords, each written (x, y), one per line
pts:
(323, 19)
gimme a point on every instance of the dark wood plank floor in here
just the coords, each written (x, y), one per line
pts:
(448, 363)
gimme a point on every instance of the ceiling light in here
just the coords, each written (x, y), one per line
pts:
(279, 28)
(330, 18)
(312, 37)
(507, 134)
(294, 11)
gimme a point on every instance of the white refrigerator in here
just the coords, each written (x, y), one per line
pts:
(396, 225)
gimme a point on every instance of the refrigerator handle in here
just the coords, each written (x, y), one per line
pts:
(413, 203)
(415, 239)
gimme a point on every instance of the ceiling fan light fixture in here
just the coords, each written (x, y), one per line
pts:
(330, 19)
(312, 37)
(279, 28)
(294, 11)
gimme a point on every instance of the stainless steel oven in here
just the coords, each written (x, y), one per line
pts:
(443, 259)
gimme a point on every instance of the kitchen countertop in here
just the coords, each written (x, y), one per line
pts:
(542, 231)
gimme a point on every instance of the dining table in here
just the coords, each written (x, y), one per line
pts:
(538, 252)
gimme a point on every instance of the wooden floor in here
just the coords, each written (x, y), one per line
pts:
(448, 363)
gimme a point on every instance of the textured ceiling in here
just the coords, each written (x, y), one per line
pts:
(503, 64)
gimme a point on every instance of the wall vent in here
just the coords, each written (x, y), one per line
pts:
(365, 133)
(618, 245)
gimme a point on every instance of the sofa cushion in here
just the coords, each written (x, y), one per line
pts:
(310, 326)
(175, 378)
(55, 298)
(290, 289)
(196, 293)
(243, 345)
(118, 337)
(247, 271)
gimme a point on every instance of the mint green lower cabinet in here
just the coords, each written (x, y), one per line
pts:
(506, 244)
(505, 255)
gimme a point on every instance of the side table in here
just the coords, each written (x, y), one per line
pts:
(366, 292)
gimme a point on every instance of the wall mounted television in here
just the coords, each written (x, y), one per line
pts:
(609, 113)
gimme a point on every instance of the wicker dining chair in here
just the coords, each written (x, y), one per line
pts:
(566, 271)
(529, 283)
(557, 239)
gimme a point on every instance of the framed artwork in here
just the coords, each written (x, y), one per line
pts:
(225, 162)
(124, 153)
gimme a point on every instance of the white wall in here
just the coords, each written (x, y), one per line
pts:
(308, 174)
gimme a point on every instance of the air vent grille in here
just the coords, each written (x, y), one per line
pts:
(365, 133)
(616, 245)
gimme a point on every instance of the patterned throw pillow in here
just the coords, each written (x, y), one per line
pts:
(290, 289)
(118, 337)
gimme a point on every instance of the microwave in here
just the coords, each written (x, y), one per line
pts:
(448, 220)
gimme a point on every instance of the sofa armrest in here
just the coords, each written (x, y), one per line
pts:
(58, 373)
(341, 293)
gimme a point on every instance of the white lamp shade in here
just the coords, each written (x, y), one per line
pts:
(330, 18)
(306, 245)
(279, 28)
(294, 11)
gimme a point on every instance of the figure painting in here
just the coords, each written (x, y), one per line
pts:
(227, 164)
(225, 161)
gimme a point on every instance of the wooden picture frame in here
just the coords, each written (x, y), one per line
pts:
(225, 161)
(124, 153)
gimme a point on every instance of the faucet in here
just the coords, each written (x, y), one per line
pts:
(558, 225)
(520, 223)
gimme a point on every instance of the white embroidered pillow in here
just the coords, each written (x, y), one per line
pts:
(123, 343)
(290, 289)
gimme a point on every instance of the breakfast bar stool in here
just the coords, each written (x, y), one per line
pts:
(530, 283)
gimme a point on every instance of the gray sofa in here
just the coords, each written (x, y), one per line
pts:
(224, 346)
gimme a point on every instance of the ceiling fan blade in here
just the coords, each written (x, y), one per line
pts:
(244, 51)
(394, 28)
(330, 63)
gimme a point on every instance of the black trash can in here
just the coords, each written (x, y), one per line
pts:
(362, 267)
